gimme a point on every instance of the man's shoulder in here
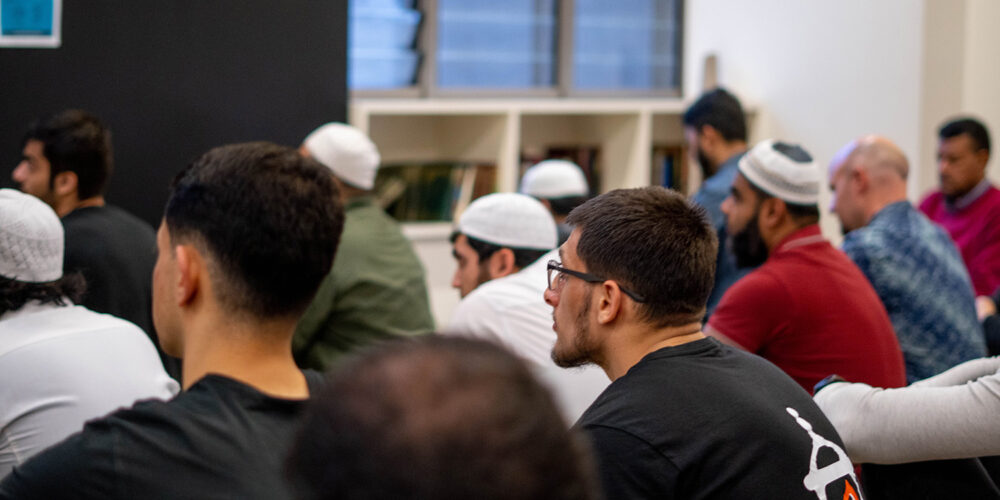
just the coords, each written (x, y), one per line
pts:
(705, 381)
(499, 295)
(104, 222)
(766, 279)
(370, 235)
(931, 202)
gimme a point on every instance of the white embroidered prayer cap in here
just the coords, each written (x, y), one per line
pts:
(31, 239)
(554, 179)
(509, 220)
(347, 151)
(782, 170)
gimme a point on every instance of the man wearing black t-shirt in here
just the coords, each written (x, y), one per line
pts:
(248, 233)
(67, 163)
(684, 416)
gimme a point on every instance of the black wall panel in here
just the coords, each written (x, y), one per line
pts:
(175, 78)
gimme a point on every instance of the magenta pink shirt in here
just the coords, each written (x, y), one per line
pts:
(976, 231)
(810, 311)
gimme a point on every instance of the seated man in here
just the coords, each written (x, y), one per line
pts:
(929, 427)
(911, 262)
(560, 185)
(67, 163)
(808, 308)
(715, 131)
(376, 289)
(684, 416)
(247, 235)
(60, 365)
(967, 205)
(505, 305)
(441, 419)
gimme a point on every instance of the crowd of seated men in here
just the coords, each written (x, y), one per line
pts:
(272, 337)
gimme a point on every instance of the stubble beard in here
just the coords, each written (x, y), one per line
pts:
(582, 350)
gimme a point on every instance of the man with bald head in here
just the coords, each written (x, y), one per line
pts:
(913, 265)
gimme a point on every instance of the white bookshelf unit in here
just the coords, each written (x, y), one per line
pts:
(499, 131)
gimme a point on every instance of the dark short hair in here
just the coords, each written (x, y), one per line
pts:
(973, 128)
(654, 242)
(15, 294)
(438, 418)
(523, 257)
(722, 111)
(269, 218)
(75, 141)
(565, 205)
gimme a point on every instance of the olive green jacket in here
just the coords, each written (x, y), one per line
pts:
(375, 291)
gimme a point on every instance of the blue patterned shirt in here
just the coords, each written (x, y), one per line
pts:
(920, 277)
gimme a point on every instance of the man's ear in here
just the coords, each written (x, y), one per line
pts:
(860, 180)
(709, 133)
(772, 213)
(609, 302)
(190, 268)
(65, 183)
(501, 263)
(983, 156)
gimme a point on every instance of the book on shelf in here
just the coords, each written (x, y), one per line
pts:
(669, 168)
(425, 192)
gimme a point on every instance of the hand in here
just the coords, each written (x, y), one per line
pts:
(985, 307)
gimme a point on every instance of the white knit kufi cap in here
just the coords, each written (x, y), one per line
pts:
(554, 179)
(793, 180)
(345, 150)
(509, 220)
(31, 239)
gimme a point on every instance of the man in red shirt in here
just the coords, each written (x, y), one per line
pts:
(967, 205)
(808, 308)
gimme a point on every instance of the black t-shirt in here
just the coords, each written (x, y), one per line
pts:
(219, 439)
(703, 420)
(116, 252)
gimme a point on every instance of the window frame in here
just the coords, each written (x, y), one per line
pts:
(426, 78)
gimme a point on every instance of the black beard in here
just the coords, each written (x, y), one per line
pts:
(748, 246)
(704, 163)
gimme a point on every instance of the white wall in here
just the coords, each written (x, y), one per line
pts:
(819, 73)
(981, 75)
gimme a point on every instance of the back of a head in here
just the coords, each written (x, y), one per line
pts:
(347, 152)
(268, 219)
(75, 141)
(656, 243)
(438, 418)
(883, 159)
(560, 182)
(31, 254)
(720, 110)
(969, 126)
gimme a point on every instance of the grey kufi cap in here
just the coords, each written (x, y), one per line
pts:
(31, 239)
(784, 171)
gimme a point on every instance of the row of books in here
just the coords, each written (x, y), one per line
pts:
(439, 191)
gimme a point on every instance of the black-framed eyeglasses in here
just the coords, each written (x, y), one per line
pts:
(557, 278)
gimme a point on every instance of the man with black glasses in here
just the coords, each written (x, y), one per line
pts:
(684, 416)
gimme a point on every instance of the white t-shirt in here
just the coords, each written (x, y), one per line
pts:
(63, 365)
(511, 312)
